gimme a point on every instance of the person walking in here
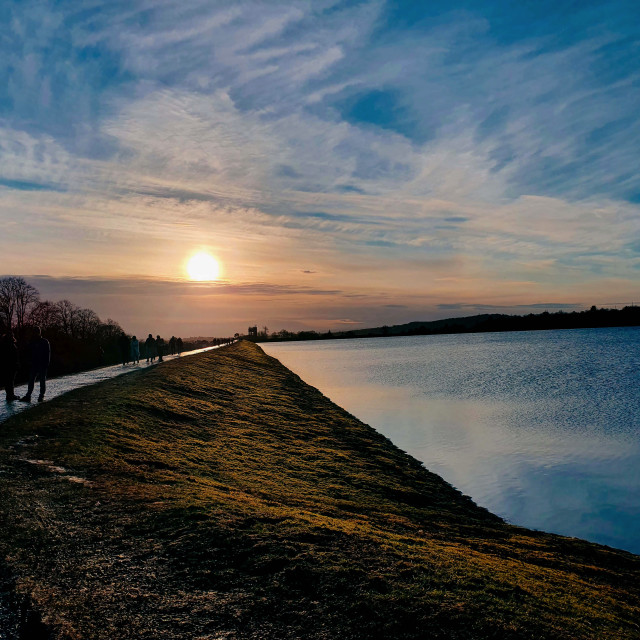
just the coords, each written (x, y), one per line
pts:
(150, 346)
(123, 343)
(172, 346)
(160, 348)
(135, 350)
(40, 359)
(9, 362)
(179, 345)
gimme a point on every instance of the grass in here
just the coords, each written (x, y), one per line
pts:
(220, 497)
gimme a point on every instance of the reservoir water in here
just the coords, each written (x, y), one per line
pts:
(542, 428)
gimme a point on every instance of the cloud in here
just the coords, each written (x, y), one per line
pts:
(157, 287)
(400, 149)
(233, 91)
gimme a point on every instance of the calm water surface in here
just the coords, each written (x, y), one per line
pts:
(542, 428)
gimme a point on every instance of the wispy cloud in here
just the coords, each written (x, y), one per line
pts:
(394, 147)
(140, 286)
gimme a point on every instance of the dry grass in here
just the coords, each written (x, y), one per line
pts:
(227, 499)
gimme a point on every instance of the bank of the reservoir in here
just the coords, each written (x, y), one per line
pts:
(222, 497)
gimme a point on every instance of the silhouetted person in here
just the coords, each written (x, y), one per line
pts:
(172, 345)
(40, 358)
(135, 350)
(150, 345)
(179, 345)
(9, 362)
(123, 343)
(159, 347)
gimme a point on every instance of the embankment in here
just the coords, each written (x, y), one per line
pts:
(222, 497)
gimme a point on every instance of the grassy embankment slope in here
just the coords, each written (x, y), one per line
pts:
(225, 498)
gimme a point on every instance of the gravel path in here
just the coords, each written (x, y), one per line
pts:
(58, 386)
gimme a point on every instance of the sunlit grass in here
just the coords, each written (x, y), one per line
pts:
(230, 497)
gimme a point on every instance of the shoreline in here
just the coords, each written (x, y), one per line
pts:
(225, 497)
(510, 435)
(482, 324)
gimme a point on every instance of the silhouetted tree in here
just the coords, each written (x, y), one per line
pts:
(79, 339)
(7, 303)
(68, 312)
(109, 331)
(27, 296)
(86, 322)
(45, 315)
(17, 296)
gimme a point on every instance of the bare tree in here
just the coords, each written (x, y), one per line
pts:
(45, 315)
(109, 330)
(86, 322)
(27, 296)
(17, 296)
(7, 302)
(68, 312)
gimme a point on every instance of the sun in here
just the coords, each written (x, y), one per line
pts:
(203, 266)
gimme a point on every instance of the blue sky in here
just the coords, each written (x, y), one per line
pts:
(405, 159)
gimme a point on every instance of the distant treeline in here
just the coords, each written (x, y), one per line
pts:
(79, 339)
(592, 318)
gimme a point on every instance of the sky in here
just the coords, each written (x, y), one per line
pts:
(348, 163)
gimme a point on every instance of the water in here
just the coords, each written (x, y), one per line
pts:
(542, 428)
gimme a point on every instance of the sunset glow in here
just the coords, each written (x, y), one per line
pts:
(373, 164)
(203, 267)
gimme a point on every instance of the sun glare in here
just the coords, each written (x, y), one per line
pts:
(203, 266)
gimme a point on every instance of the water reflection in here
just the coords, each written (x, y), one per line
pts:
(541, 428)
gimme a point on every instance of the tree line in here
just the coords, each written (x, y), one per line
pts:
(592, 318)
(79, 339)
